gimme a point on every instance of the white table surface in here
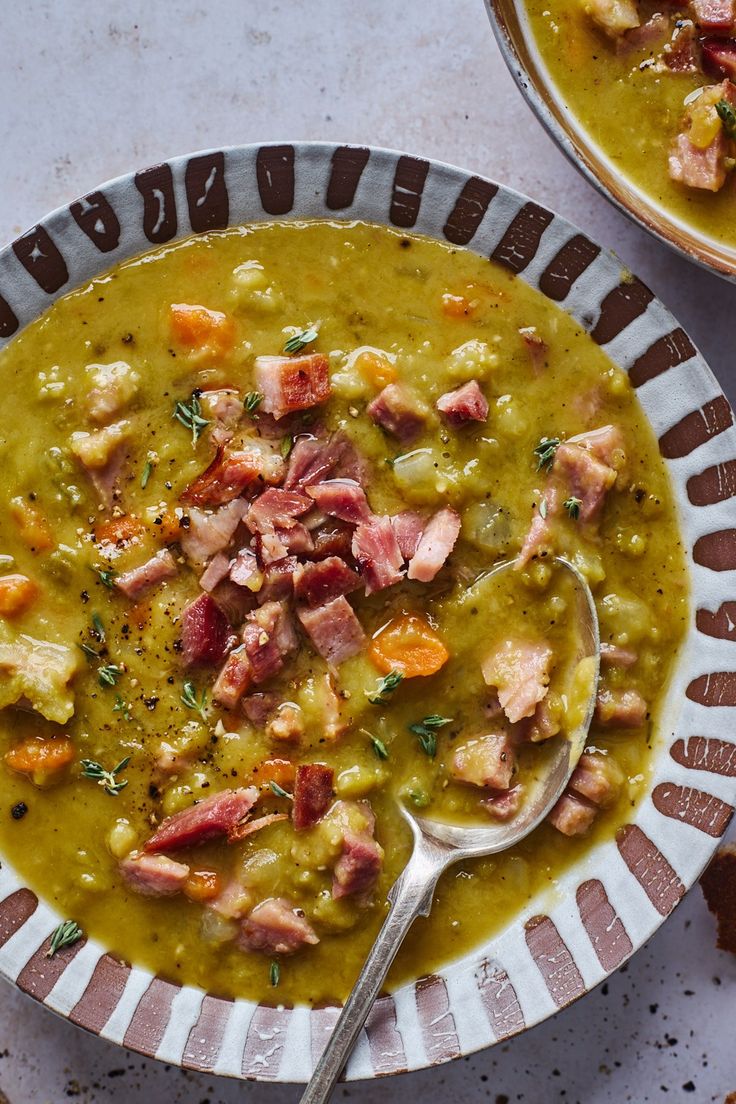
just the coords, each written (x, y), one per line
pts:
(88, 91)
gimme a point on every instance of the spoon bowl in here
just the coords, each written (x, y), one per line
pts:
(439, 844)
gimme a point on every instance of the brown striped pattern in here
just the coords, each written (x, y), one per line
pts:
(650, 868)
(207, 198)
(205, 1039)
(275, 177)
(41, 973)
(499, 1000)
(14, 911)
(156, 186)
(100, 998)
(8, 319)
(553, 960)
(721, 623)
(147, 1027)
(518, 247)
(438, 1025)
(567, 266)
(716, 550)
(620, 308)
(716, 689)
(321, 1024)
(605, 929)
(409, 179)
(664, 354)
(42, 259)
(347, 167)
(715, 484)
(702, 754)
(96, 218)
(264, 1043)
(702, 810)
(385, 1042)
(470, 207)
(696, 428)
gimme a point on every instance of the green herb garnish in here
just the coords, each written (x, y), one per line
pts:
(98, 628)
(107, 576)
(122, 707)
(384, 688)
(147, 470)
(190, 416)
(287, 443)
(545, 452)
(426, 730)
(274, 973)
(543, 509)
(105, 778)
(191, 701)
(67, 933)
(572, 505)
(109, 675)
(727, 115)
(296, 343)
(279, 791)
(419, 798)
(89, 651)
(379, 748)
(252, 401)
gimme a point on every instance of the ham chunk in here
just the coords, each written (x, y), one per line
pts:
(408, 527)
(585, 476)
(719, 57)
(276, 927)
(613, 656)
(286, 725)
(101, 454)
(233, 680)
(217, 569)
(613, 17)
(292, 383)
(141, 579)
(487, 761)
(259, 707)
(572, 815)
(620, 709)
(312, 794)
(519, 671)
(360, 859)
(319, 583)
(398, 413)
(276, 509)
(244, 571)
(233, 471)
(698, 157)
(466, 404)
(436, 544)
(377, 552)
(333, 538)
(206, 636)
(112, 388)
(268, 638)
(154, 875)
(218, 815)
(334, 630)
(598, 778)
(210, 531)
(278, 580)
(714, 16)
(314, 458)
(504, 805)
(342, 498)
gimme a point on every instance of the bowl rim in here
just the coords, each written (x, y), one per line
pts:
(606, 906)
(572, 140)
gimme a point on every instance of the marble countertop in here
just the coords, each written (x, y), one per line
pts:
(91, 91)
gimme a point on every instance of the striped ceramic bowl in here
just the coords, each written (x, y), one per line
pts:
(610, 903)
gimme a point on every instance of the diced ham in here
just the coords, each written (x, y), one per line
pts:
(605, 443)
(313, 459)
(224, 406)
(504, 805)
(586, 477)
(653, 32)
(233, 680)
(252, 826)
(245, 572)
(268, 638)
(699, 168)
(719, 57)
(206, 636)
(438, 541)
(573, 816)
(233, 471)
(209, 532)
(319, 583)
(539, 539)
(536, 347)
(296, 539)
(276, 509)
(217, 569)
(278, 580)
(154, 875)
(487, 761)
(286, 725)
(342, 498)
(334, 538)
(597, 778)
(613, 17)
(292, 383)
(113, 386)
(141, 579)
(359, 866)
(466, 404)
(275, 927)
(218, 815)
(333, 724)
(312, 794)
(234, 601)
(102, 454)
(620, 709)
(714, 16)
(408, 527)
(613, 656)
(259, 707)
(398, 412)
(519, 671)
(681, 54)
(377, 552)
(334, 630)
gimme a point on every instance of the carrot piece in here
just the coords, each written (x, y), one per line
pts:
(408, 644)
(202, 885)
(16, 594)
(39, 754)
(280, 771)
(203, 330)
(34, 529)
(169, 531)
(119, 530)
(376, 369)
(458, 306)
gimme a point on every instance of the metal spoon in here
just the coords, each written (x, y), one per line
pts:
(438, 845)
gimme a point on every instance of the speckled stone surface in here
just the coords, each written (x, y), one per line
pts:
(425, 77)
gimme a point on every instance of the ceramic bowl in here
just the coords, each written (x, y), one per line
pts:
(528, 69)
(607, 905)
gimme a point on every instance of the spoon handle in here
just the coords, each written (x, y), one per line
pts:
(410, 896)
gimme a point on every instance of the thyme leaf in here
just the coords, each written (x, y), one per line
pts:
(252, 401)
(109, 675)
(287, 443)
(98, 628)
(380, 749)
(64, 935)
(122, 707)
(305, 337)
(572, 505)
(109, 781)
(191, 701)
(727, 115)
(190, 416)
(279, 791)
(545, 452)
(106, 575)
(384, 688)
(147, 470)
(274, 973)
(426, 731)
(543, 508)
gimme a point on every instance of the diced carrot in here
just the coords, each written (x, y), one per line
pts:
(34, 529)
(376, 369)
(203, 330)
(202, 885)
(280, 771)
(16, 594)
(119, 530)
(458, 306)
(408, 644)
(38, 754)
(169, 531)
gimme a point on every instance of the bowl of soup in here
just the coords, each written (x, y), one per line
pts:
(639, 97)
(274, 413)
